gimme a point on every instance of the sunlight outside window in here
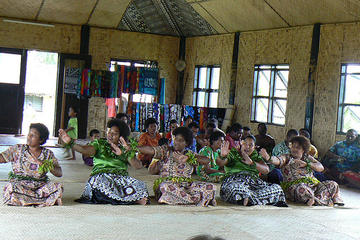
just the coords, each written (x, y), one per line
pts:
(206, 86)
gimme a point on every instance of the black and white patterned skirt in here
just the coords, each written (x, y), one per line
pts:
(237, 187)
(114, 189)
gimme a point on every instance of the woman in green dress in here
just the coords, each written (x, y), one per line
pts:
(212, 172)
(109, 181)
(242, 184)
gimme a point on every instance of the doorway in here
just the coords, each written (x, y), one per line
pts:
(40, 90)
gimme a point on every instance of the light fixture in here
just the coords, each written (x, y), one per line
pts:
(29, 23)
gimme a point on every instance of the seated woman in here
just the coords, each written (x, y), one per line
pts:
(150, 138)
(242, 184)
(175, 185)
(109, 181)
(342, 161)
(29, 185)
(211, 172)
(299, 184)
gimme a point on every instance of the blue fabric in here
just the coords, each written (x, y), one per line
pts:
(351, 152)
(275, 176)
(280, 149)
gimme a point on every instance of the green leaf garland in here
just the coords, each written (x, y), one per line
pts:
(46, 166)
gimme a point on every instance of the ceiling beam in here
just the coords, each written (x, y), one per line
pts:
(92, 11)
(277, 13)
(122, 15)
(212, 16)
(40, 8)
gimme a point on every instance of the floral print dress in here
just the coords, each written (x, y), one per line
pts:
(30, 187)
(175, 185)
(303, 186)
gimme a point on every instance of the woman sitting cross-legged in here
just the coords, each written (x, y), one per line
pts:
(29, 185)
(242, 184)
(109, 181)
(175, 165)
(211, 172)
(299, 184)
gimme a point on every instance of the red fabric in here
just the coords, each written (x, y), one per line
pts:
(233, 143)
(110, 103)
(168, 135)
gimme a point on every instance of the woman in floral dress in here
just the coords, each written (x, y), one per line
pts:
(175, 166)
(299, 184)
(109, 181)
(29, 185)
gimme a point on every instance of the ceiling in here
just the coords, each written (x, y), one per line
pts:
(184, 17)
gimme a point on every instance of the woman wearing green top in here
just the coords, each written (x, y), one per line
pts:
(212, 172)
(242, 184)
(109, 181)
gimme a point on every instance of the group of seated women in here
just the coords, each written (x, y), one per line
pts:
(230, 159)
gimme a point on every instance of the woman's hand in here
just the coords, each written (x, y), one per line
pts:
(300, 163)
(264, 154)
(180, 158)
(124, 143)
(64, 136)
(225, 149)
(115, 149)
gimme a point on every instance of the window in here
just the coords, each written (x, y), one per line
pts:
(34, 102)
(270, 94)
(349, 98)
(206, 86)
(144, 98)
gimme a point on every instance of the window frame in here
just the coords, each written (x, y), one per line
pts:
(206, 90)
(341, 97)
(271, 97)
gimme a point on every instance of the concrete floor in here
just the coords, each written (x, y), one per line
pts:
(81, 221)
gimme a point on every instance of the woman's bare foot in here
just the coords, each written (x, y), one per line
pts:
(246, 201)
(311, 202)
(142, 201)
(58, 202)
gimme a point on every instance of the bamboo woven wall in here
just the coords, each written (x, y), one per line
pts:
(209, 51)
(339, 43)
(284, 46)
(97, 115)
(61, 38)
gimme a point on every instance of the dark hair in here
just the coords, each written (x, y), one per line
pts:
(210, 124)
(251, 137)
(291, 132)
(121, 115)
(215, 121)
(43, 131)
(94, 131)
(163, 141)
(75, 109)
(262, 124)
(193, 125)
(246, 129)
(186, 133)
(234, 128)
(205, 237)
(150, 121)
(216, 135)
(124, 129)
(305, 131)
(302, 141)
(173, 121)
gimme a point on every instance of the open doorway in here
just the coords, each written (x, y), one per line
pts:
(40, 90)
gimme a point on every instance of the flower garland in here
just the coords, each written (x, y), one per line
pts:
(130, 154)
(46, 166)
(27, 178)
(158, 181)
(70, 144)
(192, 160)
(116, 171)
(307, 180)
